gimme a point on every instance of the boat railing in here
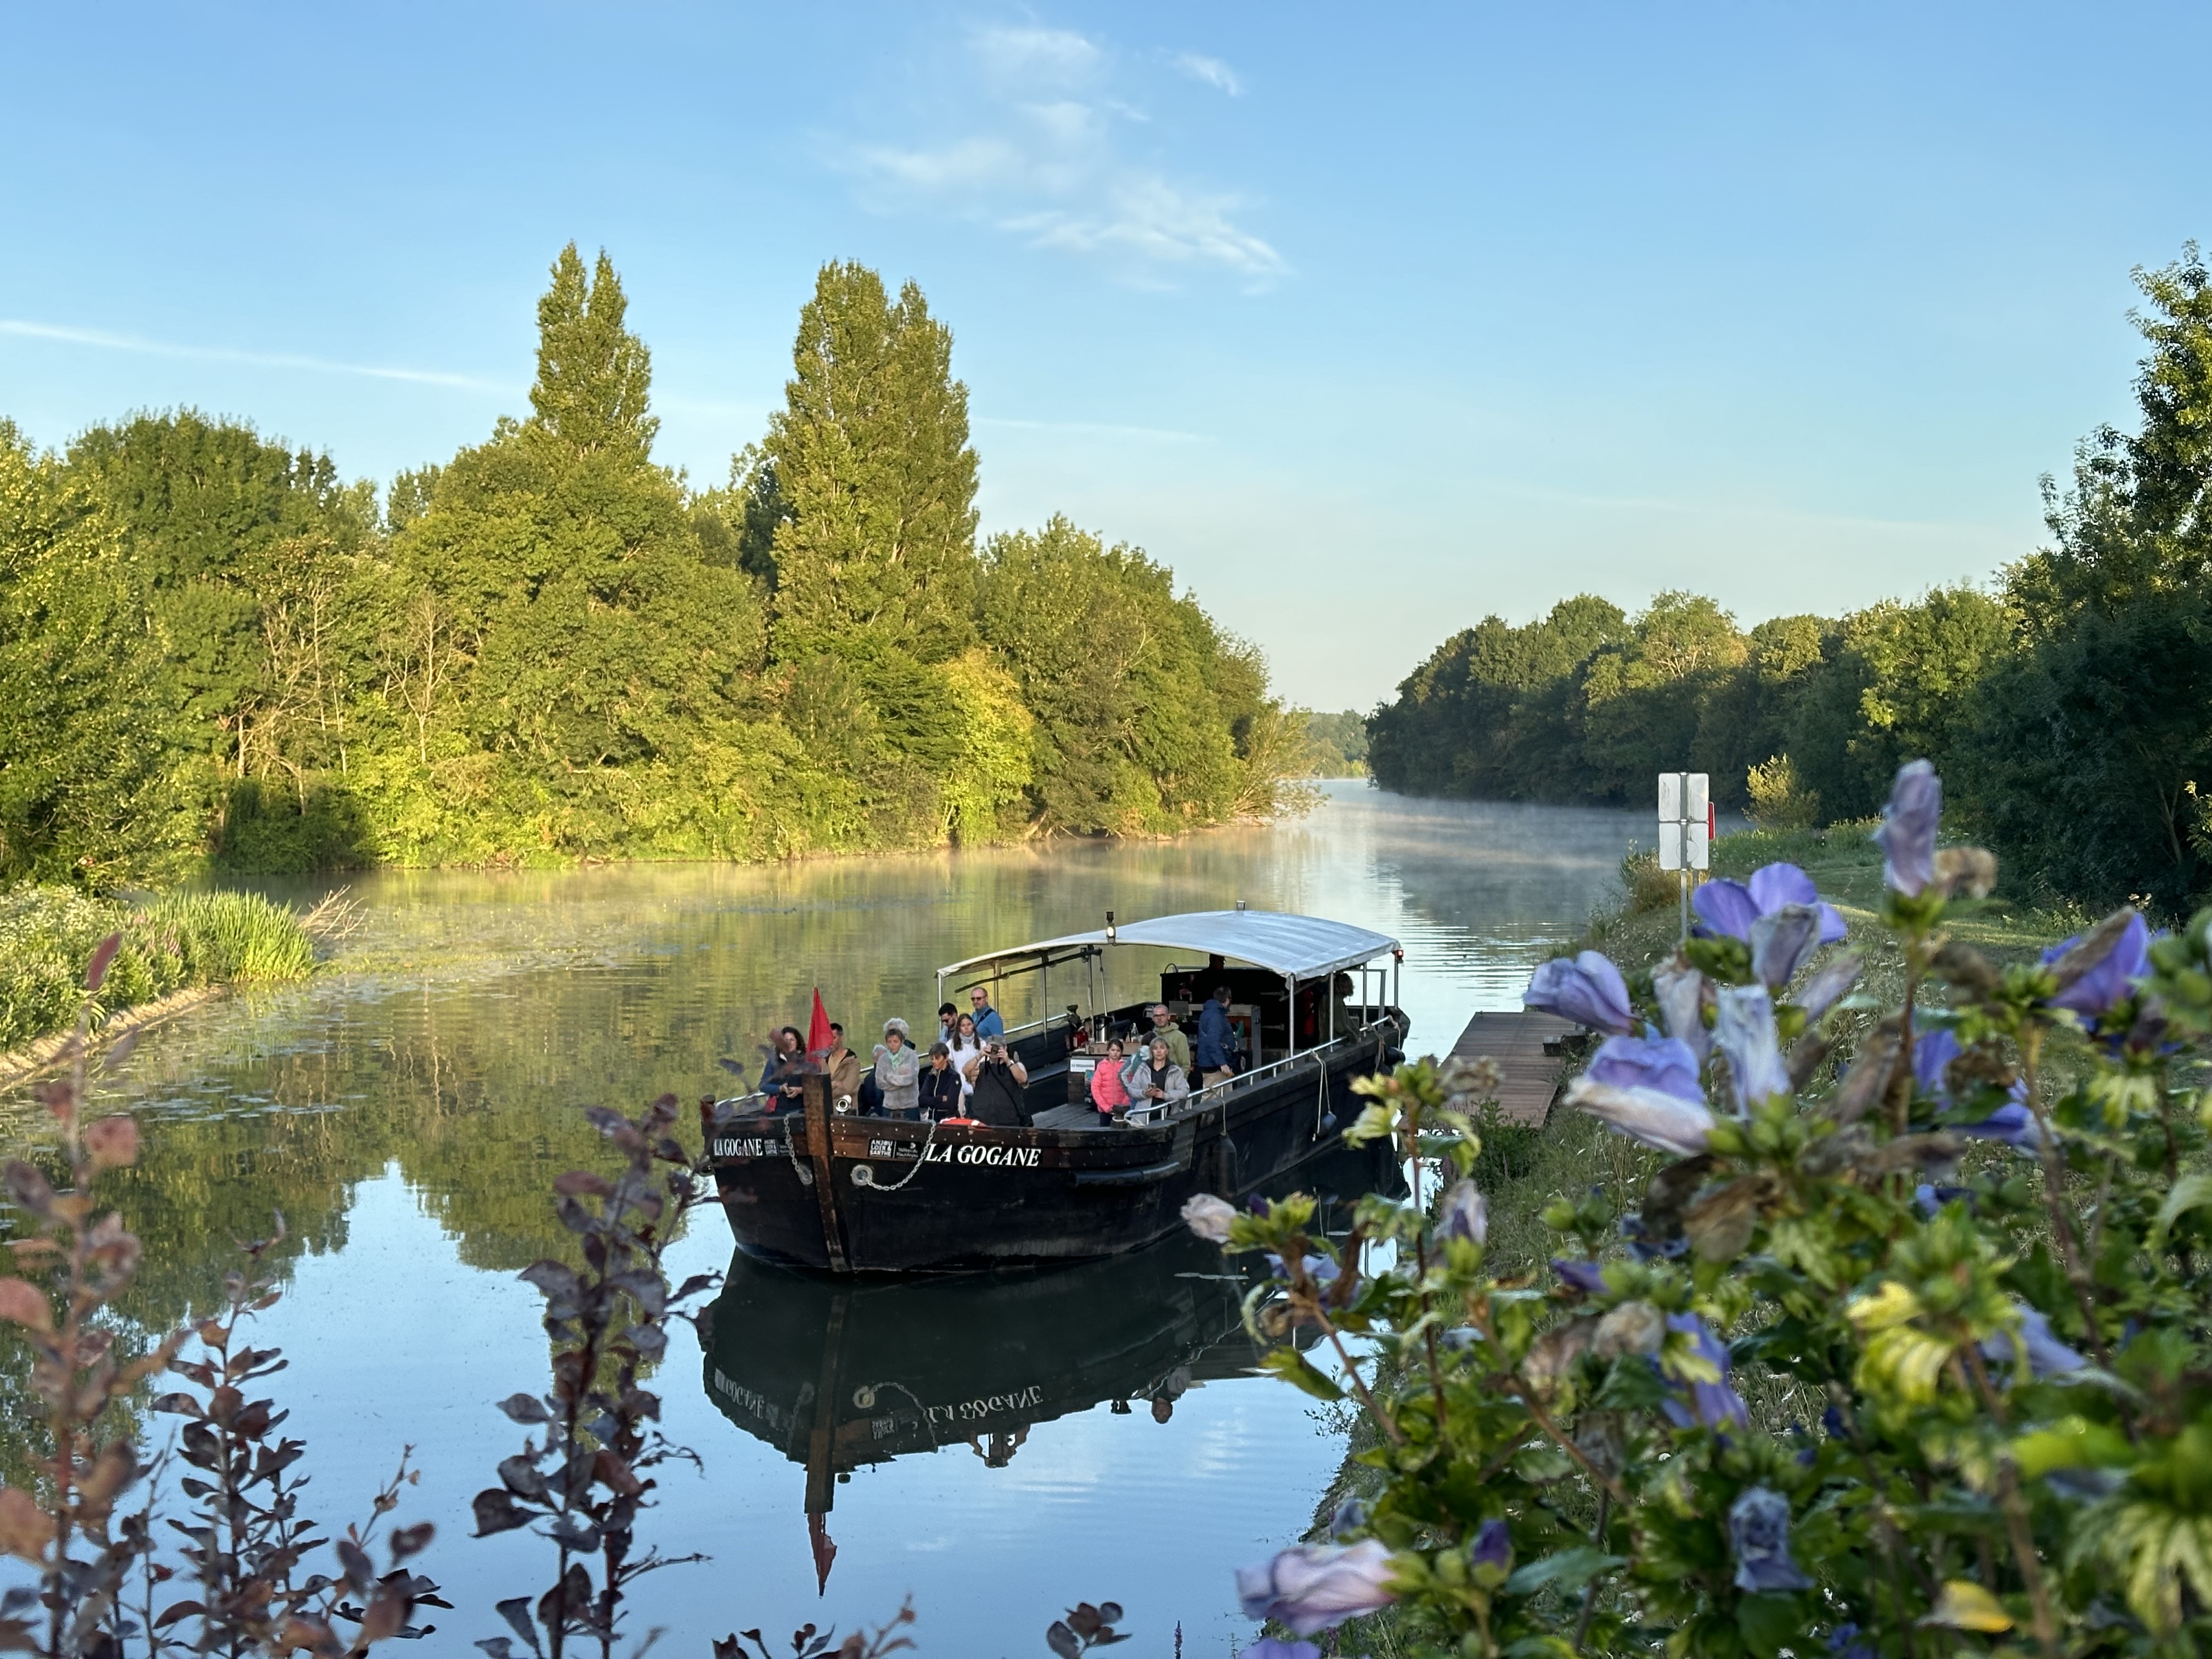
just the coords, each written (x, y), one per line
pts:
(1221, 1091)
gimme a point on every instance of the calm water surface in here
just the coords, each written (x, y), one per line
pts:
(1000, 1448)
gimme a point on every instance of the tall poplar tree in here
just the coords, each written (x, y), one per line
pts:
(593, 656)
(871, 459)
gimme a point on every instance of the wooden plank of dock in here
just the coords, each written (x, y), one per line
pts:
(1516, 1040)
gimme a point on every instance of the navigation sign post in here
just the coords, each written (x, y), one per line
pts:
(1684, 829)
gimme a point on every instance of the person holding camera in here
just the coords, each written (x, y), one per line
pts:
(997, 1087)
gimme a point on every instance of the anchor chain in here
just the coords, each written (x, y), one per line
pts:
(928, 1141)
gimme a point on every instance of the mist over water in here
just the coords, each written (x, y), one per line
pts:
(408, 1110)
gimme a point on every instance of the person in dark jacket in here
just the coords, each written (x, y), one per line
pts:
(1217, 1041)
(997, 1087)
(939, 1085)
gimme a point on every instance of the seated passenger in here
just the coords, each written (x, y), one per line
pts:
(998, 1089)
(939, 1086)
(1154, 1080)
(1107, 1092)
(897, 1078)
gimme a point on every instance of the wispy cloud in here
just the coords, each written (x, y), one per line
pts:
(1044, 148)
(104, 341)
(1211, 71)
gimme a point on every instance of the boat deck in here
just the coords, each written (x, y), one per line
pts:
(1527, 1047)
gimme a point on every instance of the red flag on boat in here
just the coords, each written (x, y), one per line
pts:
(818, 1037)
(825, 1548)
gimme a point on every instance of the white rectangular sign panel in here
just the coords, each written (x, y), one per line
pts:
(1685, 836)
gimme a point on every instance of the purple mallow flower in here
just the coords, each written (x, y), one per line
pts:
(1712, 1404)
(1681, 993)
(2012, 1123)
(1491, 1554)
(1587, 989)
(1465, 1214)
(1310, 1587)
(1651, 1115)
(1759, 1537)
(1270, 1647)
(1666, 1064)
(1821, 992)
(1319, 1268)
(2111, 980)
(1743, 1032)
(1846, 1642)
(1351, 1516)
(1734, 908)
(1588, 1277)
(1907, 835)
(2045, 1353)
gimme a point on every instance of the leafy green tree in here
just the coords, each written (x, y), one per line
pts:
(214, 515)
(589, 650)
(88, 788)
(2089, 760)
(870, 476)
(1147, 718)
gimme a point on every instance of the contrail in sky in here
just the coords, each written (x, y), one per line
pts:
(106, 342)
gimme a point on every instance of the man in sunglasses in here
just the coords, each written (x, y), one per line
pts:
(988, 1022)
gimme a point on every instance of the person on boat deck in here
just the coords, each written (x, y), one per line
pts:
(897, 1078)
(1217, 1041)
(997, 1087)
(1164, 1029)
(948, 1017)
(780, 1077)
(1107, 1092)
(844, 1068)
(940, 1086)
(988, 1022)
(965, 1047)
(1154, 1078)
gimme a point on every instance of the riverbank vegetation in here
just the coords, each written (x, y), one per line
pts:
(550, 647)
(1883, 1356)
(2070, 709)
(179, 942)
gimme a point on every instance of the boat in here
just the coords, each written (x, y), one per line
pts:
(1315, 1005)
(838, 1375)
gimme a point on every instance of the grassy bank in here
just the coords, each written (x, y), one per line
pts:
(174, 943)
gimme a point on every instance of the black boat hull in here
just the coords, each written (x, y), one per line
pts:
(847, 1194)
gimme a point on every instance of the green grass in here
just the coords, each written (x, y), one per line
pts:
(47, 935)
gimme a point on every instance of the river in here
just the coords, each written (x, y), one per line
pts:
(998, 1449)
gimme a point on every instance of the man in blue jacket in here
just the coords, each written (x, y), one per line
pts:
(1217, 1041)
(988, 1022)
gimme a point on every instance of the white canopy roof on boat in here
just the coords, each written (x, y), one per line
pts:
(1301, 947)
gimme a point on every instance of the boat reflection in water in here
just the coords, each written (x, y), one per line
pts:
(840, 1373)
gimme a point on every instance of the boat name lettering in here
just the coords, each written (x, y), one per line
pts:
(988, 1404)
(749, 1402)
(747, 1147)
(1026, 1157)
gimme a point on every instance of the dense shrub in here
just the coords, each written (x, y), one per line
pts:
(48, 934)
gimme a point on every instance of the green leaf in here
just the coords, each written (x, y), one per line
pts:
(1767, 1622)
(1569, 1571)
(1291, 1365)
(2191, 1192)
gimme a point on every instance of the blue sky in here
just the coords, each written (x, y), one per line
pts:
(1368, 320)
